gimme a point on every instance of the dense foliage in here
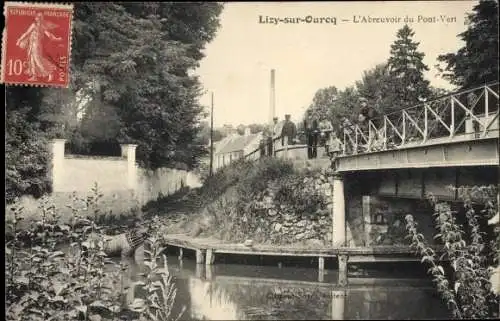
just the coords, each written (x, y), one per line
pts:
(131, 70)
(389, 86)
(233, 204)
(466, 288)
(476, 63)
(26, 148)
(406, 68)
(46, 281)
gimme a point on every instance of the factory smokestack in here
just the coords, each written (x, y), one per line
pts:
(272, 98)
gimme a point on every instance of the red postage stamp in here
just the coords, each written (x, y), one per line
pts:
(36, 45)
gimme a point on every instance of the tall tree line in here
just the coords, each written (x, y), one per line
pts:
(131, 82)
(399, 82)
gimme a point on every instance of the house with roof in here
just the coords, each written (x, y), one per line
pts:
(234, 147)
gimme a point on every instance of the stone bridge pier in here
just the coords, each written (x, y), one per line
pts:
(369, 207)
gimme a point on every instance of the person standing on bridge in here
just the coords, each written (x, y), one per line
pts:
(335, 148)
(272, 133)
(288, 132)
(275, 127)
(262, 144)
(326, 128)
(347, 130)
(307, 133)
(367, 115)
(312, 139)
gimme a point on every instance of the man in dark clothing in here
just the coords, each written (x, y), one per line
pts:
(307, 132)
(269, 143)
(312, 139)
(262, 146)
(288, 132)
(367, 114)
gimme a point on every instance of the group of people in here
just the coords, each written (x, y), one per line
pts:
(321, 133)
(287, 132)
(318, 133)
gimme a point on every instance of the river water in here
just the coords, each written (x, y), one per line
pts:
(252, 292)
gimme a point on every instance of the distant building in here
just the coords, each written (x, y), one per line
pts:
(234, 147)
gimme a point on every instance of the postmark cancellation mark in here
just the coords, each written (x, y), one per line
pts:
(36, 44)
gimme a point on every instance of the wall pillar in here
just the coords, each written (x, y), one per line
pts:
(338, 212)
(57, 164)
(128, 151)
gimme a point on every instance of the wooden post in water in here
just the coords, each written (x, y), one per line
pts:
(209, 272)
(342, 269)
(199, 257)
(199, 271)
(321, 263)
(321, 275)
(210, 257)
(338, 304)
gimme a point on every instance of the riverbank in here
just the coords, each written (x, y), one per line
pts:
(269, 202)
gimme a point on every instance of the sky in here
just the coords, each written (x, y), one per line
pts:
(310, 56)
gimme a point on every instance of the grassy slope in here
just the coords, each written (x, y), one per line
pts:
(205, 212)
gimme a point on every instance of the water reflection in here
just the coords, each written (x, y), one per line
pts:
(210, 302)
(240, 292)
(232, 292)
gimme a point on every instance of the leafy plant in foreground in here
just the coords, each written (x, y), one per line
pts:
(72, 281)
(467, 289)
(159, 286)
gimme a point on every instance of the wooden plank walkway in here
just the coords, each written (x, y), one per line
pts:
(187, 242)
(207, 248)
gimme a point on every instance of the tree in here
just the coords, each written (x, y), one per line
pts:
(331, 104)
(323, 102)
(476, 62)
(131, 63)
(240, 129)
(139, 56)
(377, 87)
(257, 128)
(26, 150)
(406, 67)
(204, 133)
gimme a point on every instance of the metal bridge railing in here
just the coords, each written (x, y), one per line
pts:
(465, 115)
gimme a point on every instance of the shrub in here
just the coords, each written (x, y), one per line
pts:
(27, 157)
(247, 189)
(300, 193)
(467, 288)
(115, 212)
(258, 176)
(45, 283)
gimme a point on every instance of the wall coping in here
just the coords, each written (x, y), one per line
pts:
(92, 157)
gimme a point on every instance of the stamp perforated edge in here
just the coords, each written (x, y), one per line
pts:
(48, 5)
